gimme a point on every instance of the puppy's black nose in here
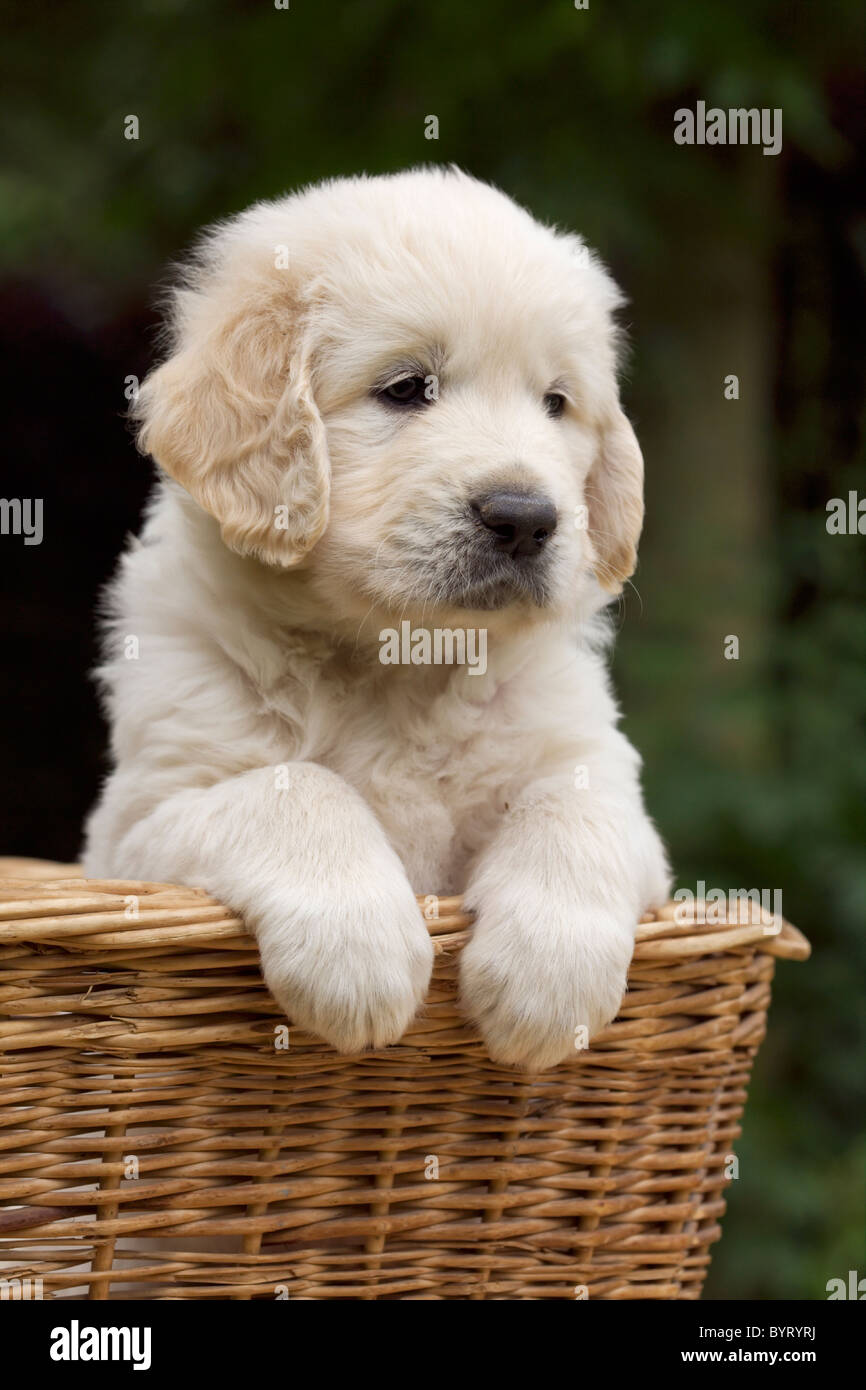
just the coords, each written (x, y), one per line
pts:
(520, 522)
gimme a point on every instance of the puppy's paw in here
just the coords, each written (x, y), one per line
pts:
(352, 972)
(538, 988)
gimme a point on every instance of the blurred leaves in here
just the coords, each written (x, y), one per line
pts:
(240, 100)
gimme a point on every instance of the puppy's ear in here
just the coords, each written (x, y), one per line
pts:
(231, 417)
(614, 496)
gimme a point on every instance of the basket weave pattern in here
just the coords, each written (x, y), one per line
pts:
(149, 1103)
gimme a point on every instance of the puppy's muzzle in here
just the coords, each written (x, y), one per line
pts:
(519, 523)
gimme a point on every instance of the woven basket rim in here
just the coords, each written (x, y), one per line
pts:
(50, 902)
(134, 1021)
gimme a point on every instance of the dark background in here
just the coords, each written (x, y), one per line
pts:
(734, 262)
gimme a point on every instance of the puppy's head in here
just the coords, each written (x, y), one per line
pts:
(406, 387)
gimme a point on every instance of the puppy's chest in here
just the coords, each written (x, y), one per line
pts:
(435, 772)
(381, 742)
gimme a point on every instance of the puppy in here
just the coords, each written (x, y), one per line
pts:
(389, 406)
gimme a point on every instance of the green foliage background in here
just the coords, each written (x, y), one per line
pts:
(734, 263)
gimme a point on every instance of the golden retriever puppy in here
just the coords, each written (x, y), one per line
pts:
(358, 650)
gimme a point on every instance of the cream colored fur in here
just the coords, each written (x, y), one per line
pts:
(260, 747)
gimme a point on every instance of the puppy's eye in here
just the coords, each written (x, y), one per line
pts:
(554, 404)
(409, 390)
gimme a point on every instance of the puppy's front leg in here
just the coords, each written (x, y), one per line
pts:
(557, 894)
(299, 855)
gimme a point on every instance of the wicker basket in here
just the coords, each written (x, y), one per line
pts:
(158, 1140)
